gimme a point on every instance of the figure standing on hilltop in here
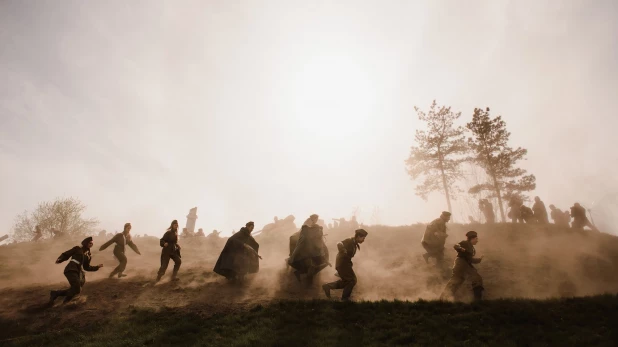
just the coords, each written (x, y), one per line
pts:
(240, 255)
(527, 214)
(121, 240)
(200, 233)
(38, 234)
(435, 237)
(488, 211)
(463, 268)
(74, 271)
(170, 250)
(580, 220)
(559, 217)
(515, 204)
(310, 254)
(540, 212)
(347, 250)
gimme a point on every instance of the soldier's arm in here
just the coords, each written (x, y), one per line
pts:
(134, 247)
(458, 248)
(341, 248)
(107, 244)
(475, 260)
(87, 266)
(163, 240)
(66, 255)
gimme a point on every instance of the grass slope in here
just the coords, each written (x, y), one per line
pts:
(589, 321)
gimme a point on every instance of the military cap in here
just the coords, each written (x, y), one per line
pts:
(87, 240)
(361, 232)
(249, 223)
(471, 234)
(446, 213)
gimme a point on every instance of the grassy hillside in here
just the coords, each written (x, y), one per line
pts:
(521, 262)
(567, 322)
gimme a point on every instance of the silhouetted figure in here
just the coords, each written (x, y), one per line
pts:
(38, 234)
(567, 217)
(580, 220)
(434, 238)
(121, 240)
(200, 232)
(240, 255)
(558, 216)
(527, 214)
(540, 212)
(514, 214)
(464, 268)
(74, 271)
(347, 250)
(310, 254)
(488, 211)
(170, 250)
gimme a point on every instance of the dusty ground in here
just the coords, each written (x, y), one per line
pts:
(520, 261)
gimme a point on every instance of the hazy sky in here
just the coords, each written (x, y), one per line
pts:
(251, 109)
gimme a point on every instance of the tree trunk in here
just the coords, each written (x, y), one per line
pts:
(446, 191)
(499, 198)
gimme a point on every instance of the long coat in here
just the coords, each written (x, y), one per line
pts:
(309, 249)
(235, 259)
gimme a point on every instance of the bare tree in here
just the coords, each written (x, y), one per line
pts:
(438, 152)
(62, 214)
(492, 152)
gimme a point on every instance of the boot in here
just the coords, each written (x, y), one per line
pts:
(52, 297)
(158, 278)
(478, 293)
(426, 257)
(121, 275)
(297, 275)
(326, 289)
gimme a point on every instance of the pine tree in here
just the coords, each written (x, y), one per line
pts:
(489, 144)
(438, 152)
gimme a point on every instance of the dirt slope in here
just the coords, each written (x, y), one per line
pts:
(520, 261)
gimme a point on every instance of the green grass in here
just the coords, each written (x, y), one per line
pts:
(591, 321)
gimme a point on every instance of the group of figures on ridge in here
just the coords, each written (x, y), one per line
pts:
(308, 256)
(238, 258)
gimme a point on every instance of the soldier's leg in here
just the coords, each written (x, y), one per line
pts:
(121, 266)
(165, 260)
(177, 262)
(439, 257)
(427, 251)
(76, 285)
(477, 283)
(350, 282)
(56, 293)
(340, 284)
(457, 278)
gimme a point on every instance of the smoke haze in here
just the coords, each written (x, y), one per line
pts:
(249, 110)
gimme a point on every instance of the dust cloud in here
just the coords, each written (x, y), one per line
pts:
(521, 261)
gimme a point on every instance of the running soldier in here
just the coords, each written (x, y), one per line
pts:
(170, 249)
(463, 268)
(540, 212)
(347, 249)
(435, 237)
(239, 256)
(74, 271)
(580, 220)
(121, 240)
